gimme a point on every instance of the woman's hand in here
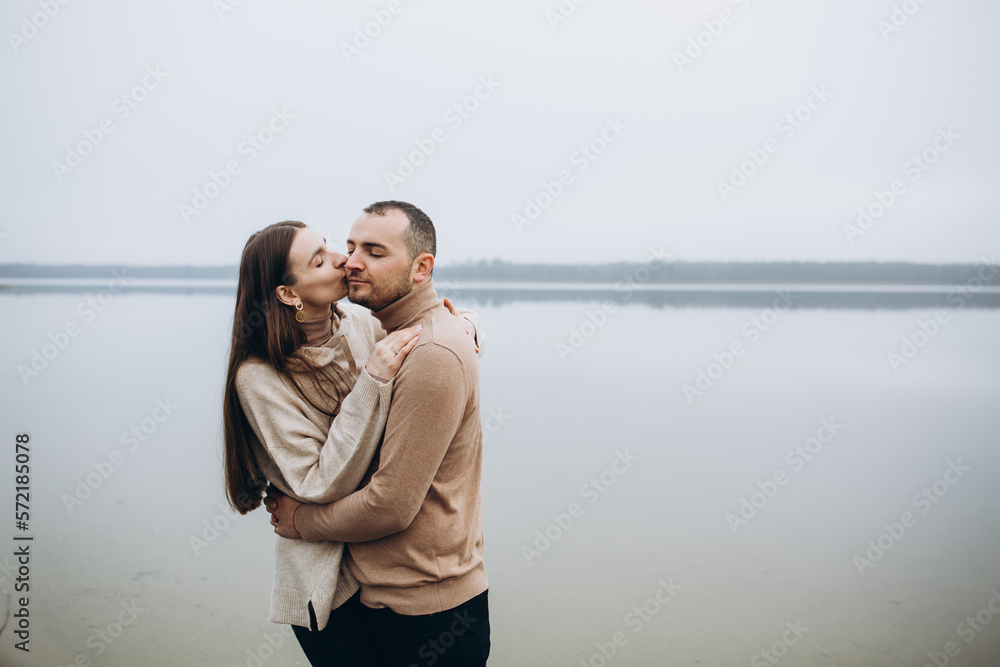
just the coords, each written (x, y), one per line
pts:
(469, 327)
(282, 511)
(388, 354)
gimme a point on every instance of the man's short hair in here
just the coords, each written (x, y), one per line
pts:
(419, 237)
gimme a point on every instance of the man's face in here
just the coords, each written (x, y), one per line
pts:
(379, 270)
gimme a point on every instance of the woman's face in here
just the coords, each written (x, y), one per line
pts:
(319, 272)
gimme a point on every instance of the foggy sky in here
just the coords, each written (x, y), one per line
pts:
(341, 112)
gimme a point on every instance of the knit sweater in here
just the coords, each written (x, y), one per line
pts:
(415, 528)
(316, 459)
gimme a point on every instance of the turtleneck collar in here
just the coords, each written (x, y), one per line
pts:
(400, 313)
(320, 330)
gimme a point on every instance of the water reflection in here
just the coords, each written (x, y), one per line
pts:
(557, 425)
(746, 295)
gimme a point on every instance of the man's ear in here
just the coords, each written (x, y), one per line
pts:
(422, 267)
(286, 295)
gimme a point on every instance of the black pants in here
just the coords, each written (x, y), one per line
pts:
(458, 637)
(345, 641)
(359, 635)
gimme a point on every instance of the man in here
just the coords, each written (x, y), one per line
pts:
(414, 527)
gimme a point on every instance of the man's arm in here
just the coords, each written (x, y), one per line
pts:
(428, 404)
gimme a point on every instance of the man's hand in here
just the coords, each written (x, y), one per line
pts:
(282, 510)
(469, 328)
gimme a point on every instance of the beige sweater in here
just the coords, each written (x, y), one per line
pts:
(315, 459)
(415, 529)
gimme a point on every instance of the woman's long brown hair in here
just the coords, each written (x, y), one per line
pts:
(264, 328)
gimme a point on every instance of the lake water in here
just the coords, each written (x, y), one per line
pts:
(805, 496)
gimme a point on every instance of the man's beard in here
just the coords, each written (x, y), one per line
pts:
(382, 294)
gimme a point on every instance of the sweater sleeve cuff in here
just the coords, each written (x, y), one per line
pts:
(370, 386)
(378, 378)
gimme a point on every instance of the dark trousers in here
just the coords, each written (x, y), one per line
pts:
(345, 641)
(359, 635)
(458, 637)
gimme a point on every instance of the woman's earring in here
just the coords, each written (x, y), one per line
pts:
(300, 316)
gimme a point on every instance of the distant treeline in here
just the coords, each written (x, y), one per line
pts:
(653, 272)
(715, 272)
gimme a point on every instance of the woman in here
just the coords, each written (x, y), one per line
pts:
(306, 398)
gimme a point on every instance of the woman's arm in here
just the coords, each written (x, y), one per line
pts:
(318, 466)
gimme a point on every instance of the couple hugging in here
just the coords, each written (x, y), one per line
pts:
(374, 465)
